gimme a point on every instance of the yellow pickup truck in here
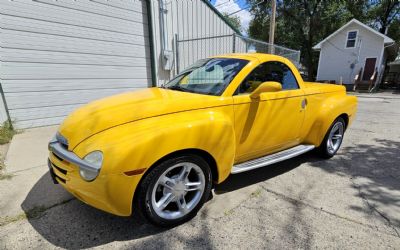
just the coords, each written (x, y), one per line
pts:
(158, 151)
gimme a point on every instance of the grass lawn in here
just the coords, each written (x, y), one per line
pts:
(6, 134)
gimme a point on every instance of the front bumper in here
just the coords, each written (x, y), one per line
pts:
(59, 149)
(112, 193)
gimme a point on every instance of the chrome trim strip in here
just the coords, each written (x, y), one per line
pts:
(60, 151)
(61, 139)
(271, 159)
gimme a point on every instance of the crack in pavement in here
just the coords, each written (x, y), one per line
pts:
(366, 201)
(33, 213)
(299, 202)
(374, 208)
(23, 170)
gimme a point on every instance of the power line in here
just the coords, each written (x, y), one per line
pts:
(222, 3)
(248, 7)
(227, 5)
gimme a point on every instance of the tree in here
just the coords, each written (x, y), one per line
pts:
(234, 20)
(384, 12)
(300, 24)
(394, 31)
(358, 9)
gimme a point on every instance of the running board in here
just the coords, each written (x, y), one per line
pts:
(271, 159)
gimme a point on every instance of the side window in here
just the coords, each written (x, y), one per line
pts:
(269, 71)
(288, 81)
(253, 80)
(351, 39)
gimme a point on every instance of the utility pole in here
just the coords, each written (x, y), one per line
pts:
(272, 27)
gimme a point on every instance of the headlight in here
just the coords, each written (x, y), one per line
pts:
(95, 159)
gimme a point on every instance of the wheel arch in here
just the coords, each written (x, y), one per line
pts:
(331, 109)
(345, 117)
(194, 151)
(189, 151)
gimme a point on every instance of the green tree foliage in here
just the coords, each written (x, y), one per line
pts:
(358, 9)
(384, 13)
(394, 31)
(301, 24)
(234, 20)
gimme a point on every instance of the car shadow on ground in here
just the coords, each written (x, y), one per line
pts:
(73, 224)
(238, 181)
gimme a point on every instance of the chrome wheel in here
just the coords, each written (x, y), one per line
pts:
(335, 138)
(178, 190)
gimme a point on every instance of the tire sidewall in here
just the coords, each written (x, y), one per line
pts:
(324, 147)
(151, 180)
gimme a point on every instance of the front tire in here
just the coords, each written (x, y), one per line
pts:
(333, 139)
(175, 190)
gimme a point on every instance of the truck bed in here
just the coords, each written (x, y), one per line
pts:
(315, 87)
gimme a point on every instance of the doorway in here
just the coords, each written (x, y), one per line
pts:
(369, 68)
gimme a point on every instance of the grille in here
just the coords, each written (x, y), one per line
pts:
(56, 156)
(62, 171)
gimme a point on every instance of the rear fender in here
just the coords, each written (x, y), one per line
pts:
(330, 109)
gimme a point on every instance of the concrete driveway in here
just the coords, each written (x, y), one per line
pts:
(350, 201)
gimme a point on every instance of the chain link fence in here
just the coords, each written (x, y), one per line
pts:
(188, 51)
(246, 44)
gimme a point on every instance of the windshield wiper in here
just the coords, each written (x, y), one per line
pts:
(179, 88)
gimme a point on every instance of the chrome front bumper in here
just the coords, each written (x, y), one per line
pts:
(59, 150)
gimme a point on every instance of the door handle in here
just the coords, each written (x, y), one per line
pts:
(304, 103)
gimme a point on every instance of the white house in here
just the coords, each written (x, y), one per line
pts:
(353, 47)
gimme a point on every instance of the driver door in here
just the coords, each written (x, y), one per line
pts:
(272, 122)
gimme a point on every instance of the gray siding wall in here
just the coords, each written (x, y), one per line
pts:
(3, 113)
(58, 55)
(335, 59)
(189, 19)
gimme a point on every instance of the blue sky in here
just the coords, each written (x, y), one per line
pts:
(230, 6)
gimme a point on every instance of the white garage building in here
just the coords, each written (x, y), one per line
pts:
(59, 54)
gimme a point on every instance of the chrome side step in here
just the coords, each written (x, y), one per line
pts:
(271, 159)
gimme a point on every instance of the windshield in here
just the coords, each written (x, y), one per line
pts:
(207, 76)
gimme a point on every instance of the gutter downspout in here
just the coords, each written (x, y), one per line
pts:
(166, 52)
(5, 106)
(151, 41)
(164, 34)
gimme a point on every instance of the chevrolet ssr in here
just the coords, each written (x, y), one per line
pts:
(157, 151)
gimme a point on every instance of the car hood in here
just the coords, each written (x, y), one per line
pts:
(128, 107)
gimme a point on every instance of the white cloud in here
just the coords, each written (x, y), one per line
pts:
(225, 6)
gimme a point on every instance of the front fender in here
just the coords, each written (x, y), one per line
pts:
(138, 145)
(325, 114)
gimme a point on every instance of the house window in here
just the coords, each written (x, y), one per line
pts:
(351, 39)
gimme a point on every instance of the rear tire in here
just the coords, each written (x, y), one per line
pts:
(333, 139)
(174, 190)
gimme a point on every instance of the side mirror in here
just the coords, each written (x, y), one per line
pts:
(266, 87)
